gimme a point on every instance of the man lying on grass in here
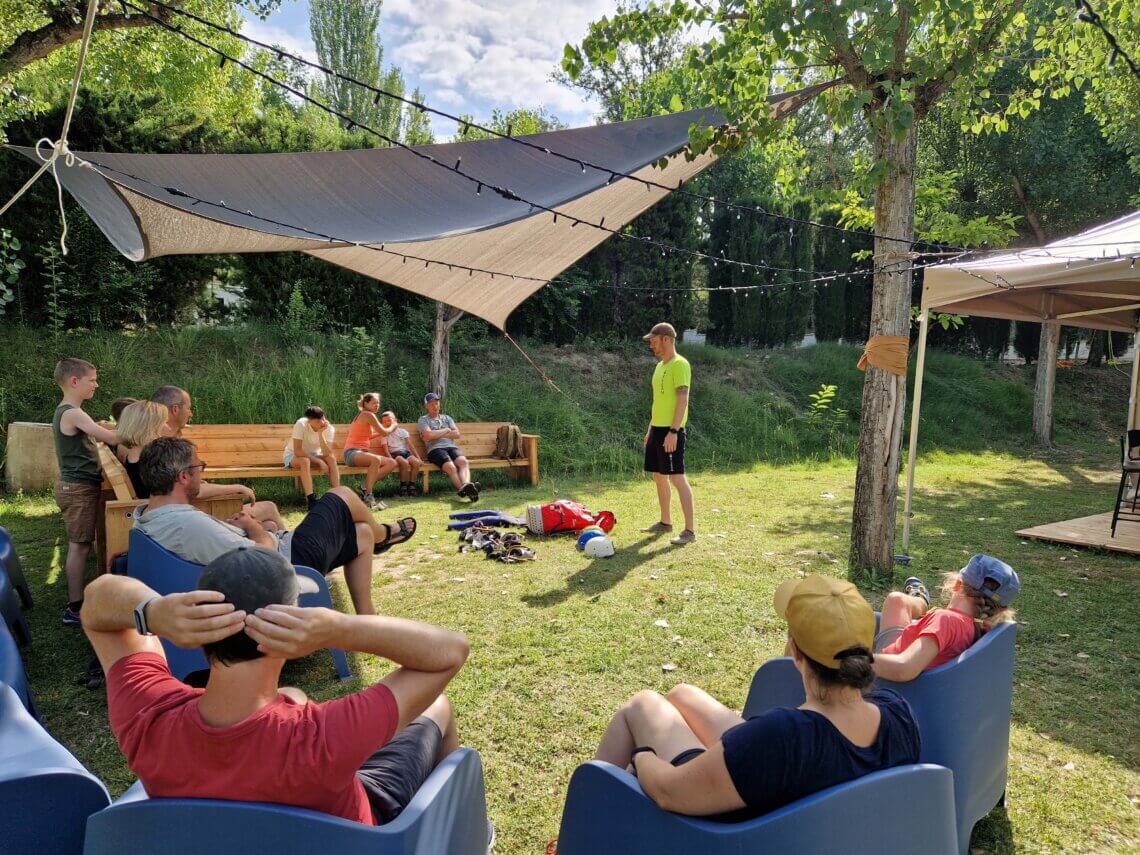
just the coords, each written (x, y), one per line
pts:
(360, 757)
(338, 531)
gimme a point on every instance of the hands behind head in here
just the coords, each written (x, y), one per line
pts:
(292, 631)
(202, 617)
(194, 618)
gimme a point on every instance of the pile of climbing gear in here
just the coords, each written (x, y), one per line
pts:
(505, 547)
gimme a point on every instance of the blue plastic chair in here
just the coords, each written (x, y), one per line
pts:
(12, 613)
(447, 816)
(12, 672)
(607, 812)
(166, 573)
(45, 793)
(962, 709)
(10, 564)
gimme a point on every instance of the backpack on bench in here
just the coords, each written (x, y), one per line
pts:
(508, 443)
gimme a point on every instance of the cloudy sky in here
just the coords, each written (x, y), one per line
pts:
(468, 56)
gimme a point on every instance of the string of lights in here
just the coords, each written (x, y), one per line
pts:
(465, 125)
(480, 183)
(895, 267)
(1090, 16)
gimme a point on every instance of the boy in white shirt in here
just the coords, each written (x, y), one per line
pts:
(400, 450)
(309, 448)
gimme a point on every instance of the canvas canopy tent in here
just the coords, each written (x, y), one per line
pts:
(379, 206)
(1088, 280)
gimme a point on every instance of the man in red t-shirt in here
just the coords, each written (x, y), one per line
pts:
(361, 757)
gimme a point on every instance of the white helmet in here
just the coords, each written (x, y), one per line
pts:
(599, 547)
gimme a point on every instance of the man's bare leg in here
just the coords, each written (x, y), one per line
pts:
(358, 571)
(333, 472)
(360, 513)
(685, 494)
(451, 472)
(661, 482)
(463, 468)
(443, 714)
(75, 568)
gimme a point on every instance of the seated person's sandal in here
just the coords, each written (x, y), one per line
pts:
(404, 529)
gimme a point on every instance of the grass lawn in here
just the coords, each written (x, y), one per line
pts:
(559, 643)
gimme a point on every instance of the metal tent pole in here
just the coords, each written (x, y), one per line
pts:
(916, 408)
(1134, 394)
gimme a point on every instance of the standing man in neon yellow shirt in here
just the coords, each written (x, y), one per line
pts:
(665, 438)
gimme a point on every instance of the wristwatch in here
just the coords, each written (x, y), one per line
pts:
(140, 617)
(673, 430)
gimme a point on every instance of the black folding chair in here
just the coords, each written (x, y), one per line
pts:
(1129, 469)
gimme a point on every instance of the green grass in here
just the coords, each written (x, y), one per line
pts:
(747, 406)
(559, 643)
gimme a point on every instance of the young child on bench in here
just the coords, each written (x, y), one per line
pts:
(400, 450)
(914, 637)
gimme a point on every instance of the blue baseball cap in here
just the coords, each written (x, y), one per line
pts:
(995, 579)
(431, 396)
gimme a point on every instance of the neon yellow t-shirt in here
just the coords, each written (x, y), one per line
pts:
(668, 377)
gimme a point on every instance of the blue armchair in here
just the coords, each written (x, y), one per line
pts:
(45, 793)
(12, 672)
(11, 612)
(447, 816)
(607, 812)
(10, 564)
(166, 573)
(963, 712)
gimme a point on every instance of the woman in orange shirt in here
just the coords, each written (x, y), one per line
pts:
(365, 446)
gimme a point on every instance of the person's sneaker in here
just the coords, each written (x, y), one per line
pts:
(914, 588)
(368, 498)
(71, 618)
(686, 536)
(403, 490)
(657, 528)
(469, 491)
(490, 838)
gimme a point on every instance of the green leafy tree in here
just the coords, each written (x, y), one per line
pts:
(346, 36)
(893, 61)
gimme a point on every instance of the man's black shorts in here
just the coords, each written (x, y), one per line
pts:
(326, 537)
(393, 774)
(440, 456)
(656, 460)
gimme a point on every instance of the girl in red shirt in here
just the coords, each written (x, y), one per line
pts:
(913, 636)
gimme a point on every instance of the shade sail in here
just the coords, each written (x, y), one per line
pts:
(1088, 280)
(368, 209)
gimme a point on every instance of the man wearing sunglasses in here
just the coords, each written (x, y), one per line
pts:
(338, 531)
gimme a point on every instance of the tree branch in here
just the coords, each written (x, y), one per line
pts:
(928, 93)
(845, 55)
(63, 29)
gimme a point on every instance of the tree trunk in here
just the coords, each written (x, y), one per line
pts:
(1030, 213)
(445, 318)
(1043, 389)
(1097, 343)
(884, 394)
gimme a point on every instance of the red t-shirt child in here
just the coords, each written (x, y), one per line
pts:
(304, 755)
(952, 631)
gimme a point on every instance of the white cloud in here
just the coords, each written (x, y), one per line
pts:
(469, 56)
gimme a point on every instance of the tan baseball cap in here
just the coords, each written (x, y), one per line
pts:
(660, 329)
(825, 616)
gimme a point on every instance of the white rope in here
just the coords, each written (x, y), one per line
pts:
(60, 148)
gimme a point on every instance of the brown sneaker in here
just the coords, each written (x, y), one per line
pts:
(686, 536)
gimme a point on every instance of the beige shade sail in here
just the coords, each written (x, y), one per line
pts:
(1089, 280)
(429, 220)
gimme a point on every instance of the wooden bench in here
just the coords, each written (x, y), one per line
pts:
(112, 535)
(257, 451)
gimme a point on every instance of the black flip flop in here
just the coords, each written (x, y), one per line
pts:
(405, 528)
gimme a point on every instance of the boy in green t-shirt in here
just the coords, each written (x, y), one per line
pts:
(665, 438)
(79, 490)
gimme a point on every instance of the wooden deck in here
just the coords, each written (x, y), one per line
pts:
(1090, 531)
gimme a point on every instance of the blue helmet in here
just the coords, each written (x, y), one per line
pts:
(586, 536)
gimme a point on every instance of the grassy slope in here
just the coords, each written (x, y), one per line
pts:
(559, 643)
